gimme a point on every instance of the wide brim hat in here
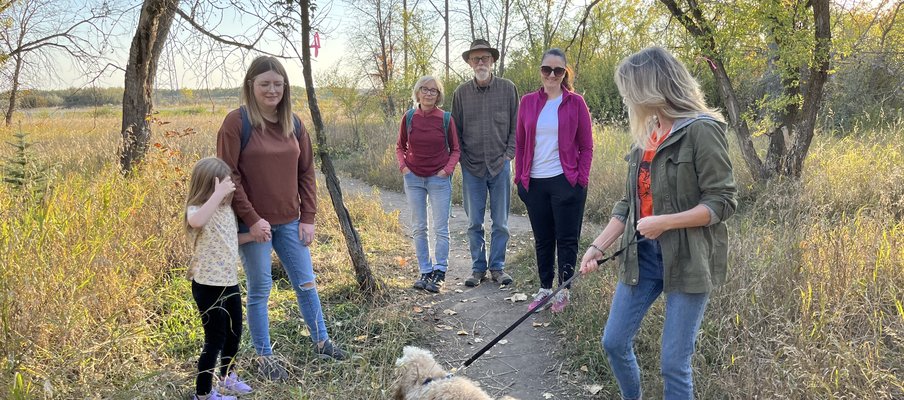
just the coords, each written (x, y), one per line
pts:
(480, 44)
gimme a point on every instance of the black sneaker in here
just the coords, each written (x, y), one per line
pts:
(270, 368)
(423, 281)
(330, 352)
(439, 277)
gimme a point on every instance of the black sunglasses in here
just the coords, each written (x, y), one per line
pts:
(557, 71)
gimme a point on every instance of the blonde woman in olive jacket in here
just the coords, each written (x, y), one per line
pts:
(679, 191)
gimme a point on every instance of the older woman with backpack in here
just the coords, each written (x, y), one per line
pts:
(427, 151)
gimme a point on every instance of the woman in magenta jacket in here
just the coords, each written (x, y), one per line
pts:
(553, 151)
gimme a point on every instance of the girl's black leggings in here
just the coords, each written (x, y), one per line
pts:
(221, 315)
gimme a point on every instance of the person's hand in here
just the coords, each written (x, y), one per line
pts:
(221, 189)
(653, 226)
(588, 262)
(306, 233)
(260, 231)
(442, 173)
(405, 171)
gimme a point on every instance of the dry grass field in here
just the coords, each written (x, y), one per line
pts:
(93, 303)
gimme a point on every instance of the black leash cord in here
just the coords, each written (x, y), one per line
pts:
(542, 303)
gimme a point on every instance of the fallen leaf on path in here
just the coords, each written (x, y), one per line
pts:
(462, 333)
(503, 341)
(360, 338)
(536, 324)
(517, 297)
(417, 309)
(593, 389)
(449, 312)
(584, 368)
(444, 327)
(478, 340)
(548, 395)
(458, 290)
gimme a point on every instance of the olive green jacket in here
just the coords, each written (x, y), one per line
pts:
(691, 167)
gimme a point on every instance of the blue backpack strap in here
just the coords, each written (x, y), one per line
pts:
(409, 116)
(447, 116)
(246, 128)
(297, 122)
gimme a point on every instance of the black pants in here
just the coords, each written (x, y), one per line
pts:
(556, 211)
(221, 315)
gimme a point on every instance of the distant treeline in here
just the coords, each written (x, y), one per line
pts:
(94, 97)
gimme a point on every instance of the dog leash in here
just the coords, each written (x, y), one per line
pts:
(508, 330)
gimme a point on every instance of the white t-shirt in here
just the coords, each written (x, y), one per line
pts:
(546, 162)
(216, 249)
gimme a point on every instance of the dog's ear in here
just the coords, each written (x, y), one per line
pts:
(399, 393)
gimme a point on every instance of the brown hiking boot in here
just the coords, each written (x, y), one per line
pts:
(475, 279)
(501, 277)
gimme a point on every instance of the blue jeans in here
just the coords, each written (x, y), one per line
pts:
(439, 191)
(296, 260)
(474, 194)
(683, 315)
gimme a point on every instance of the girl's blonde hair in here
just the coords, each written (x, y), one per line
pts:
(259, 66)
(653, 82)
(202, 185)
(423, 81)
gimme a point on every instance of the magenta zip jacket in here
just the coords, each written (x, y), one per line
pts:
(575, 137)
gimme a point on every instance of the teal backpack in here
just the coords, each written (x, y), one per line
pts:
(447, 116)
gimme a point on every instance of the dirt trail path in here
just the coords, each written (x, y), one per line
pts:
(526, 365)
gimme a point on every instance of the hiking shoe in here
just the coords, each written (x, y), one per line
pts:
(541, 295)
(269, 368)
(501, 277)
(475, 279)
(330, 352)
(439, 277)
(421, 283)
(213, 396)
(232, 384)
(561, 300)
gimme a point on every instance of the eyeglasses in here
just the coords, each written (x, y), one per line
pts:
(430, 91)
(557, 71)
(268, 86)
(482, 59)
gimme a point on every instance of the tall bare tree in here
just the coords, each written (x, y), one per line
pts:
(363, 274)
(38, 31)
(154, 24)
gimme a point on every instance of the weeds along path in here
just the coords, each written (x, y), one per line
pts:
(526, 364)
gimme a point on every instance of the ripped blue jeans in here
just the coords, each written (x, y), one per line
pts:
(296, 260)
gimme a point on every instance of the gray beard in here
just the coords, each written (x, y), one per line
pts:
(482, 76)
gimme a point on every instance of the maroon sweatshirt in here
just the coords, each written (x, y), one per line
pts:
(274, 175)
(424, 153)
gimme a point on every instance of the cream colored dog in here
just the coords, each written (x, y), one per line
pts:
(420, 377)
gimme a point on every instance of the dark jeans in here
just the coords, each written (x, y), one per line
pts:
(221, 315)
(556, 211)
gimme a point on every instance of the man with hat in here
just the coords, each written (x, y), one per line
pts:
(485, 110)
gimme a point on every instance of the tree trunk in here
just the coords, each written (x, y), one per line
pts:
(137, 103)
(503, 49)
(363, 274)
(819, 72)
(14, 91)
(446, 20)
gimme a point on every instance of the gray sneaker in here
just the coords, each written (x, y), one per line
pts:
(501, 277)
(330, 352)
(475, 279)
(269, 368)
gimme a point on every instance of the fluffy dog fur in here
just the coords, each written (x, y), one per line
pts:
(417, 366)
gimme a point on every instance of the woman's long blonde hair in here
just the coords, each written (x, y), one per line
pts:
(653, 82)
(259, 66)
(201, 185)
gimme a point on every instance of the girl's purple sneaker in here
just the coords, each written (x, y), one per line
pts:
(232, 384)
(213, 396)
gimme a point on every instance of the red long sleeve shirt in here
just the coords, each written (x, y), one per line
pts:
(274, 175)
(424, 153)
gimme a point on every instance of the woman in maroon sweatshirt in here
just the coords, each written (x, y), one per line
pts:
(427, 151)
(275, 198)
(553, 151)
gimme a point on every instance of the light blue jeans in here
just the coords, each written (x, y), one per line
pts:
(683, 315)
(296, 260)
(474, 196)
(439, 192)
